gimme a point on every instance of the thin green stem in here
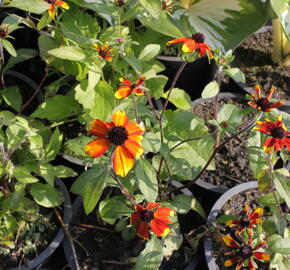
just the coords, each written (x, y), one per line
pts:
(2, 63)
(135, 109)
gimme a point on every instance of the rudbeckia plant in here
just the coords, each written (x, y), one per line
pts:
(138, 138)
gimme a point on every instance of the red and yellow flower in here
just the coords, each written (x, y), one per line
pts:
(127, 88)
(124, 134)
(244, 251)
(195, 43)
(248, 220)
(280, 136)
(104, 51)
(157, 220)
(53, 4)
(263, 103)
(167, 5)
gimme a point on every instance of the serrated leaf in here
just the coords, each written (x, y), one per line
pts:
(63, 172)
(34, 6)
(114, 208)
(93, 190)
(72, 53)
(236, 74)
(151, 257)
(22, 55)
(56, 108)
(147, 181)
(149, 52)
(210, 90)
(46, 195)
(9, 47)
(12, 97)
(179, 98)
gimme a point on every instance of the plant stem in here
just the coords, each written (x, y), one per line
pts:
(2, 62)
(272, 183)
(135, 108)
(36, 91)
(124, 190)
(151, 104)
(213, 155)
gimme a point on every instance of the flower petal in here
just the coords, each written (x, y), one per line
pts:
(189, 45)
(232, 222)
(134, 129)
(258, 91)
(232, 261)
(125, 81)
(178, 40)
(140, 81)
(252, 104)
(135, 218)
(123, 161)
(277, 104)
(134, 148)
(163, 214)
(270, 93)
(229, 241)
(99, 128)
(142, 230)
(257, 213)
(120, 118)
(261, 256)
(269, 145)
(152, 205)
(159, 227)
(251, 264)
(52, 11)
(123, 92)
(97, 147)
(62, 4)
(138, 91)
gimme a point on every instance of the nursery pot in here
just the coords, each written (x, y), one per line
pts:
(213, 214)
(194, 77)
(39, 260)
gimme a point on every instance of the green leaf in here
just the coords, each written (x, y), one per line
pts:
(147, 181)
(36, 146)
(63, 172)
(149, 52)
(23, 176)
(281, 245)
(12, 97)
(28, 209)
(46, 195)
(10, 223)
(72, 53)
(9, 47)
(47, 172)
(34, 6)
(151, 142)
(156, 85)
(151, 257)
(210, 90)
(230, 113)
(282, 185)
(153, 7)
(44, 21)
(133, 62)
(225, 218)
(93, 189)
(114, 208)
(76, 145)
(236, 74)
(56, 108)
(22, 55)
(52, 149)
(179, 98)
(97, 102)
(269, 199)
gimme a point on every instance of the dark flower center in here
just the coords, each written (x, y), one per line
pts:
(245, 222)
(3, 33)
(263, 103)
(51, 1)
(120, 3)
(117, 135)
(198, 37)
(103, 53)
(278, 132)
(133, 86)
(147, 215)
(246, 251)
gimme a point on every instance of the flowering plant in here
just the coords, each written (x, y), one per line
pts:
(146, 137)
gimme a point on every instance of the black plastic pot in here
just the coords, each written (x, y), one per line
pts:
(38, 261)
(213, 214)
(194, 77)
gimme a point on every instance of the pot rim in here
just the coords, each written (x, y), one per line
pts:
(49, 250)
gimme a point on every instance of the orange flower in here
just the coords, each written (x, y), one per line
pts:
(244, 251)
(263, 104)
(248, 220)
(104, 51)
(53, 4)
(125, 135)
(127, 88)
(158, 220)
(280, 136)
(195, 43)
(167, 5)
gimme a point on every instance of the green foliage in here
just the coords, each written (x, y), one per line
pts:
(12, 97)
(34, 6)
(210, 90)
